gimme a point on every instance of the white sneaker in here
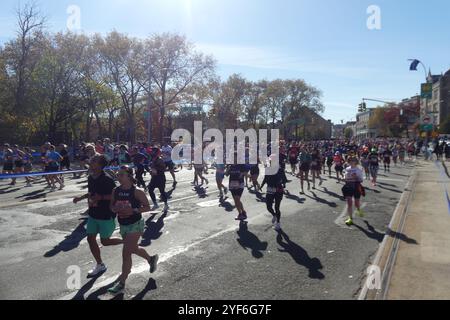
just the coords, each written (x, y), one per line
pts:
(277, 226)
(100, 268)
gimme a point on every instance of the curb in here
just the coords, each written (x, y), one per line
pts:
(387, 252)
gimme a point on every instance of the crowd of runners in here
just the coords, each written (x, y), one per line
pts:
(118, 183)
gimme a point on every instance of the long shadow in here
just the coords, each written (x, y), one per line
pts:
(84, 289)
(321, 200)
(401, 236)
(40, 194)
(371, 232)
(373, 190)
(226, 204)
(201, 192)
(103, 290)
(387, 184)
(71, 241)
(300, 256)
(291, 196)
(249, 240)
(390, 189)
(401, 175)
(333, 194)
(258, 194)
(170, 192)
(151, 285)
(10, 191)
(152, 230)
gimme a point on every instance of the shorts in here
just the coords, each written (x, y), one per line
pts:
(169, 165)
(103, 227)
(137, 227)
(339, 168)
(305, 167)
(293, 161)
(387, 160)
(254, 171)
(373, 171)
(316, 167)
(18, 163)
(8, 167)
(351, 190)
(237, 192)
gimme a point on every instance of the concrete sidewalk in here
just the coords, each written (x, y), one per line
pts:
(422, 265)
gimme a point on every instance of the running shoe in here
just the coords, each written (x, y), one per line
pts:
(240, 217)
(166, 207)
(118, 288)
(360, 213)
(277, 226)
(274, 220)
(154, 263)
(245, 215)
(99, 269)
(349, 222)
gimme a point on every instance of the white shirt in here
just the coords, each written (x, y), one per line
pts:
(353, 174)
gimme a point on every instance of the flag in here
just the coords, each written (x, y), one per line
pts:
(414, 65)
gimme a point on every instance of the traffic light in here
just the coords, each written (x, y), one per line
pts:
(362, 107)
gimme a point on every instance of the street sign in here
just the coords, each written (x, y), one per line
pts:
(426, 91)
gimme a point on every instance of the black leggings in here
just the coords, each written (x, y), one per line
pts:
(139, 178)
(160, 183)
(270, 199)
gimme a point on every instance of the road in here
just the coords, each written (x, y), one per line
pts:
(204, 252)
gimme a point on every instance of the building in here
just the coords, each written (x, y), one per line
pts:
(437, 109)
(338, 131)
(362, 128)
(310, 126)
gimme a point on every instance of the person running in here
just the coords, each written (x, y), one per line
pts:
(316, 167)
(365, 163)
(274, 195)
(387, 159)
(220, 175)
(53, 160)
(395, 153)
(138, 159)
(236, 185)
(167, 157)
(199, 168)
(329, 160)
(254, 175)
(124, 157)
(18, 161)
(158, 179)
(305, 165)
(293, 158)
(65, 162)
(402, 155)
(101, 220)
(374, 165)
(338, 165)
(28, 164)
(8, 162)
(353, 189)
(129, 203)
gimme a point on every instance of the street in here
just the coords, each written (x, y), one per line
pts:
(204, 252)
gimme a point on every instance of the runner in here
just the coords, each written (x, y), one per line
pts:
(18, 162)
(254, 175)
(158, 179)
(366, 163)
(236, 172)
(8, 164)
(374, 166)
(220, 175)
(101, 219)
(387, 159)
(198, 173)
(395, 153)
(28, 164)
(316, 167)
(274, 194)
(53, 160)
(402, 155)
(138, 159)
(293, 157)
(167, 157)
(329, 160)
(338, 165)
(129, 203)
(305, 166)
(65, 162)
(353, 189)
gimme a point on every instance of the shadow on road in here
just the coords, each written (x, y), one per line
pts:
(371, 233)
(226, 204)
(249, 240)
(151, 285)
(152, 230)
(71, 241)
(300, 256)
(321, 200)
(401, 236)
(291, 196)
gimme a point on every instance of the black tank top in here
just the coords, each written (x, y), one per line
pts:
(126, 198)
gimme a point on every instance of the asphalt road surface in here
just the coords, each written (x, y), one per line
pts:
(204, 252)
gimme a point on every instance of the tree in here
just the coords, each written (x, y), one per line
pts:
(171, 65)
(348, 133)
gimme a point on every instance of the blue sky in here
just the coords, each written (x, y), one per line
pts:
(325, 42)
